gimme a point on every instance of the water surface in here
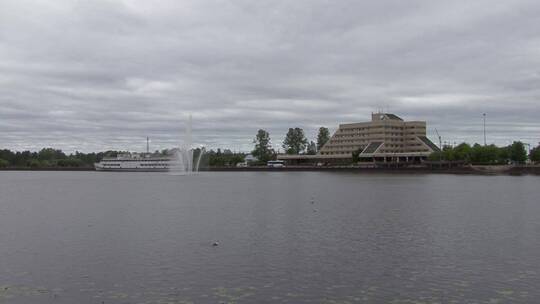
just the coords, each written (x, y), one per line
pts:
(284, 237)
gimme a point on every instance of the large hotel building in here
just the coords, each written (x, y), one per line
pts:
(386, 138)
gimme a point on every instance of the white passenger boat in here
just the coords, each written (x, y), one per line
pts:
(143, 162)
(136, 162)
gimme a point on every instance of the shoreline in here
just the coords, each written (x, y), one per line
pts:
(465, 170)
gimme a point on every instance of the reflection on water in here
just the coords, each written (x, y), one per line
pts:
(89, 237)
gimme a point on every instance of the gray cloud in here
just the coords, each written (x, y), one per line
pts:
(95, 75)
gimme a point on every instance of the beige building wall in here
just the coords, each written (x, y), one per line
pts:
(397, 136)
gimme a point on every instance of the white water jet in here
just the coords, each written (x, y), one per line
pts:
(182, 162)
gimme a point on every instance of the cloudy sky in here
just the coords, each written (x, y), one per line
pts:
(96, 75)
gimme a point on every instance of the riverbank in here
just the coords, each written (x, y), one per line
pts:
(48, 169)
(463, 170)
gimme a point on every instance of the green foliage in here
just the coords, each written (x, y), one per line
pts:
(35, 163)
(7, 155)
(435, 156)
(448, 153)
(322, 137)
(3, 163)
(49, 157)
(50, 154)
(88, 159)
(479, 154)
(69, 162)
(535, 154)
(504, 154)
(463, 152)
(485, 154)
(17, 159)
(311, 148)
(263, 148)
(518, 153)
(356, 155)
(295, 141)
(224, 158)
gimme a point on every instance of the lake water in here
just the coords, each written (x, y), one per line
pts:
(284, 237)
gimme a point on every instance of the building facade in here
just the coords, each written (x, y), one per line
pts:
(386, 138)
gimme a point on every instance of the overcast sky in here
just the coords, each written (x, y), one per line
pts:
(97, 75)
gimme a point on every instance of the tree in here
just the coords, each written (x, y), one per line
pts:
(504, 154)
(69, 162)
(484, 154)
(312, 148)
(322, 137)
(448, 153)
(295, 141)
(224, 158)
(3, 163)
(7, 155)
(518, 153)
(50, 154)
(356, 156)
(463, 152)
(535, 154)
(263, 148)
(435, 156)
(34, 163)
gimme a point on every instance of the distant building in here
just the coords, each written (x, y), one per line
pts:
(386, 138)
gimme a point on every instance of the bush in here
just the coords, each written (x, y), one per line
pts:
(69, 162)
(34, 163)
(480, 154)
(3, 163)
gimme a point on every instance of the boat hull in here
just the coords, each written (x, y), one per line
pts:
(132, 169)
(130, 164)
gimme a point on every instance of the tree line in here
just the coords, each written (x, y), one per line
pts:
(487, 154)
(55, 158)
(295, 142)
(51, 158)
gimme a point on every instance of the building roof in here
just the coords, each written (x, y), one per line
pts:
(429, 143)
(393, 116)
(306, 156)
(372, 147)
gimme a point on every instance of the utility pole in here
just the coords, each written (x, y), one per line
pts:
(485, 142)
(441, 147)
(440, 139)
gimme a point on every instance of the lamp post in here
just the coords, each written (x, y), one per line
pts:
(485, 142)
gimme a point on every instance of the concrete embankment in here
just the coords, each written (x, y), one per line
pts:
(507, 170)
(465, 170)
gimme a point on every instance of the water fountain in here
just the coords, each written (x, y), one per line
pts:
(182, 161)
